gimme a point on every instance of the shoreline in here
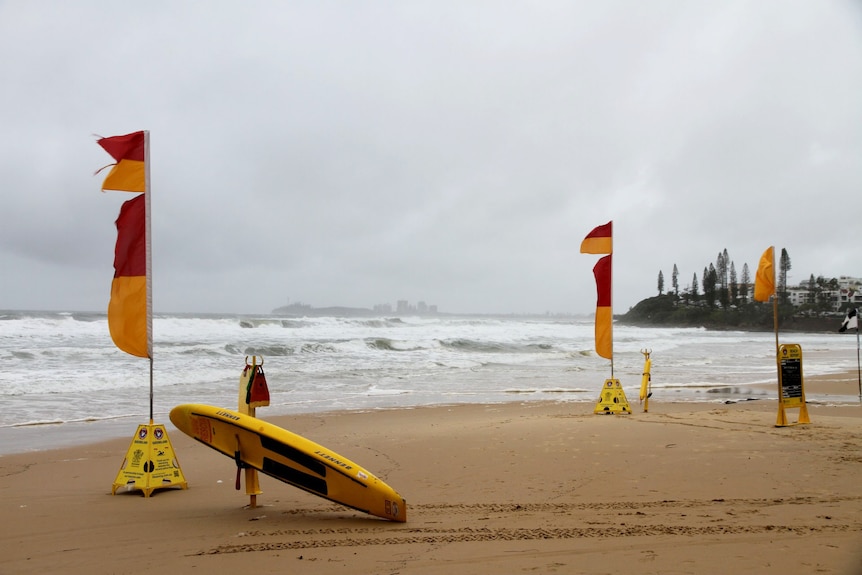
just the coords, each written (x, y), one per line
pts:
(831, 389)
(548, 486)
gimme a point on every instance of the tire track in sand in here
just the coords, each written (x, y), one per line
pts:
(390, 534)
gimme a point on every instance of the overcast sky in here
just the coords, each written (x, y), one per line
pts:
(453, 152)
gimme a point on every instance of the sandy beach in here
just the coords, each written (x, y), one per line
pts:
(544, 487)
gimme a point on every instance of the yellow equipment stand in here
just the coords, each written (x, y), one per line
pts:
(791, 389)
(646, 381)
(247, 402)
(150, 463)
(613, 399)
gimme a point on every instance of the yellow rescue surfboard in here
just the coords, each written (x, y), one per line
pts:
(290, 458)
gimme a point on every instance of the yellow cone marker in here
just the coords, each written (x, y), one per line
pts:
(613, 399)
(150, 463)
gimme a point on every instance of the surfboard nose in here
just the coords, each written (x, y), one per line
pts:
(396, 510)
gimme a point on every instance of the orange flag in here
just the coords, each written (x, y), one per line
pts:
(604, 309)
(764, 280)
(129, 313)
(129, 173)
(599, 241)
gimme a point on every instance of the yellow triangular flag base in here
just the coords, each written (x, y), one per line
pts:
(613, 399)
(150, 463)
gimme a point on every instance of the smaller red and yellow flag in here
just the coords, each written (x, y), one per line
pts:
(764, 280)
(604, 309)
(129, 173)
(599, 241)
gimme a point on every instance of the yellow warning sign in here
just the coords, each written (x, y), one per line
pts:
(150, 463)
(791, 389)
(613, 399)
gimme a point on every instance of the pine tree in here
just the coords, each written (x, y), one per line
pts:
(743, 286)
(660, 282)
(734, 287)
(674, 281)
(784, 267)
(709, 286)
(812, 290)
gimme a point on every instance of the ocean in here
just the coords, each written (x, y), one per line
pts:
(62, 380)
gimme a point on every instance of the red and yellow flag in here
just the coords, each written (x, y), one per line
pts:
(129, 314)
(764, 280)
(604, 309)
(127, 310)
(599, 241)
(129, 173)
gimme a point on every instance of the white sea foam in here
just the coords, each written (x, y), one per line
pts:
(61, 368)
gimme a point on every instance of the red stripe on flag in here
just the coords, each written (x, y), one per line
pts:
(604, 231)
(602, 271)
(130, 253)
(128, 147)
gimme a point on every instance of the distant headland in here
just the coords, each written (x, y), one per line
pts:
(402, 308)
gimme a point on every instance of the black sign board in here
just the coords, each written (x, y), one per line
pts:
(791, 378)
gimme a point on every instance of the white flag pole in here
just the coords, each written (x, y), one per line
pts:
(148, 240)
(858, 367)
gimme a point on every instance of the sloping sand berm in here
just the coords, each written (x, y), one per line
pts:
(521, 487)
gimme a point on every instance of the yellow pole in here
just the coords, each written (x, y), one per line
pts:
(646, 380)
(781, 420)
(252, 485)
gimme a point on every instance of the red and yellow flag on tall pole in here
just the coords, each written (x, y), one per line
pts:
(149, 462)
(130, 318)
(600, 241)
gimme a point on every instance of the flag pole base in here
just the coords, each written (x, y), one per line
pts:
(150, 463)
(612, 400)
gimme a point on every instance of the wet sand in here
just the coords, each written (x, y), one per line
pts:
(521, 487)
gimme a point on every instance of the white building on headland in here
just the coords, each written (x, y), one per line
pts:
(848, 294)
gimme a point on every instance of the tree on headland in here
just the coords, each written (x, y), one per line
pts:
(743, 286)
(710, 283)
(695, 289)
(734, 286)
(812, 290)
(783, 267)
(674, 280)
(660, 282)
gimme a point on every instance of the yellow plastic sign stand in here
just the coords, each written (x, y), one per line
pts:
(791, 389)
(150, 463)
(613, 399)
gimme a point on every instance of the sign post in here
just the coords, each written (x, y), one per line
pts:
(791, 388)
(253, 393)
